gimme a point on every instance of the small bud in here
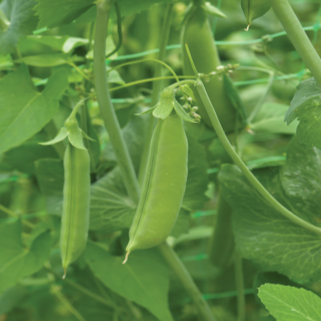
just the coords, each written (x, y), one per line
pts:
(195, 108)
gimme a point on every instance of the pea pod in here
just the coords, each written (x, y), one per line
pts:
(76, 192)
(76, 196)
(197, 34)
(254, 9)
(163, 186)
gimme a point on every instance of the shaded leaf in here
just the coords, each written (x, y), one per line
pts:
(265, 236)
(271, 118)
(17, 261)
(144, 279)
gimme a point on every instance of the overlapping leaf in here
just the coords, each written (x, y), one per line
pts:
(144, 279)
(24, 114)
(306, 107)
(68, 10)
(17, 261)
(22, 20)
(264, 235)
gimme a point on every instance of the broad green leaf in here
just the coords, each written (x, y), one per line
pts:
(46, 60)
(25, 111)
(10, 297)
(271, 118)
(68, 10)
(63, 43)
(144, 279)
(265, 236)
(306, 107)
(22, 22)
(50, 177)
(111, 208)
(307, 97)
(16, 261)
(23, 157)
(288, 303)
(301, 179)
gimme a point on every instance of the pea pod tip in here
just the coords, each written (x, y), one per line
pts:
(126, 257)
(65, 273)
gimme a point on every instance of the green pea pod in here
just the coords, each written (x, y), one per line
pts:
(76, 193)
(163, 187)
(254, 9)
(76, 196)
(197, 34)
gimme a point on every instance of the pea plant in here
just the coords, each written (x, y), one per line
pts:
(149, 171)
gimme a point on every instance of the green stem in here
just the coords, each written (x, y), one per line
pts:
(13, 214)
(298, 37)
(83, 290)
(221, 244)
(262, 98)
(51, 131)
(56, 291)
(246, 172)
(157, 86)
(239, 282)
(106, 107)
(186, 280)
(124, 161)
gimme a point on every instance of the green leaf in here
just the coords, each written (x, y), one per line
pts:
(212, 10)
(45, 60)
(16, 261)
(235, 97)
(63, 43)
(23, 157)
(111, 209)
(288, 303)
(24, 114)
(307, 97)
(10, 297)
(50, 177)
(144, 279)
(22, 22)
(301, 180)
(265, 236)
(54, 13)
(68, 10)
(254, 9)
(271, 118)
(306, 107)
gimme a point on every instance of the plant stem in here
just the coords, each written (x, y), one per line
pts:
(56, 291)
(262, 98)
(106, 107)
(157, 85)
(83, 290)
(124, 161)
(239, 282)
(186, 280)
(13, 214)
(51, 131)
(221, 245)
(246, 172)
(298, 37)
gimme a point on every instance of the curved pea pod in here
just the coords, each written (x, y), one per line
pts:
(197, 34)
(254, 9)
(76, 198)
(163, 187)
